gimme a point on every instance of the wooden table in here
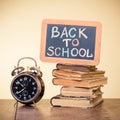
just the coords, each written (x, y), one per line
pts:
(108, 110)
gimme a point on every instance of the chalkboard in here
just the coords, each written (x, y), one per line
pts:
(69, 41)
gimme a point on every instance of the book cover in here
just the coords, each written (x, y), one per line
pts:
(64, 101)
(77, 74)
(77, 83)
(80, 91)
(74, 67)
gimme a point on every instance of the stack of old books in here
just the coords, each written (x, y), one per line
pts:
(81, 85)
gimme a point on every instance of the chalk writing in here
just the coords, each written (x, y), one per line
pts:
(68, 41)
(78, 42)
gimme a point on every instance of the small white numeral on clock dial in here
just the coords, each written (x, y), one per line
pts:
(21, 80)
(17, 82)
(29, 96)
(17, 92)
(29, 80)
(24, 98)
(16, 87)
(33, 93)
(34, 88)
(33, 83)
(25, 78)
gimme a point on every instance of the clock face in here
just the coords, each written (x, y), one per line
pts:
(24, 88)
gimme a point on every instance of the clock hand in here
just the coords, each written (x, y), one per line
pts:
(20, 91)
(21, 84)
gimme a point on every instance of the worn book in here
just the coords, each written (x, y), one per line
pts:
(85, 83)
(73, 67)
(65, 101)
(77, 74)
(80, 91)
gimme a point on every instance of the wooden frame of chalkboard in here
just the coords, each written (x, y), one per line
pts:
(70, 41)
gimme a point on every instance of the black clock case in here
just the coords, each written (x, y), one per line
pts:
(40, 91)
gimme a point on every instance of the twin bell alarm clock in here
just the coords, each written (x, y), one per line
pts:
(27, 86)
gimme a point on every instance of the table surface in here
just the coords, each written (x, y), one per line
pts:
(108, 110)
